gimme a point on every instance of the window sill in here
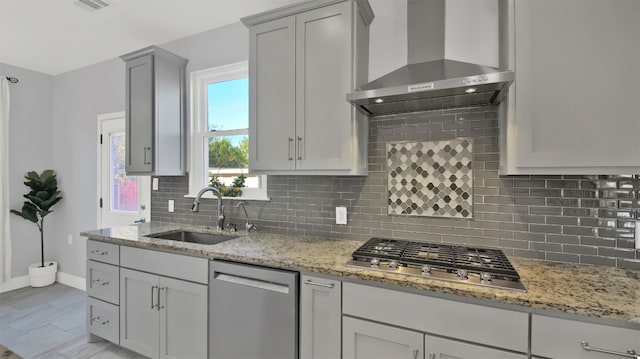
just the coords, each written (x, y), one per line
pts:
(248, 198)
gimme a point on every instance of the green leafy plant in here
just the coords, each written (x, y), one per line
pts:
(43, 195)
(235, 190)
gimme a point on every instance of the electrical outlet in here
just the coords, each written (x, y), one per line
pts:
(341, 215)
(69, 239)
(154, 183)
(171, 205)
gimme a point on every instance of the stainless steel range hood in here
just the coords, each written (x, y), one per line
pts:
(427, 85)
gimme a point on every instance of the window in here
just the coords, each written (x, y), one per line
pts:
(219, 132)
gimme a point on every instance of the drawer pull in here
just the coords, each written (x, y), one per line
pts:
(99, 252)
(414, 353)
(629, 354)
(98, 281)
(310, 282)
(99, 321)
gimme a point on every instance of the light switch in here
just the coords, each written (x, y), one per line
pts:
(171, 205)
(341, 215)
(154, 184)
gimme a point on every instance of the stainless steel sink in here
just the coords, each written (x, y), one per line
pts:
(194, 237)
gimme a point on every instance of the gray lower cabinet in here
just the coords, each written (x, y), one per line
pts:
(303, 60)
(558, 338)
(320, 317)
(441, 348)
(162, 317)
(103, 291)
(155, 113)
(365, 339)
(362, 339)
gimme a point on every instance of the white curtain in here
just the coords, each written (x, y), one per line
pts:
(5, 240)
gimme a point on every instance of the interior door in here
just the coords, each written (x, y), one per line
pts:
(122, 199)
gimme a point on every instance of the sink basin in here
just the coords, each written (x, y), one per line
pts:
(194, 237)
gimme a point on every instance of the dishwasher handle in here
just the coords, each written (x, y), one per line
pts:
(252, 282)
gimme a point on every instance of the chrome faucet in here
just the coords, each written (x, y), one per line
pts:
(196, 204)
(248, 226)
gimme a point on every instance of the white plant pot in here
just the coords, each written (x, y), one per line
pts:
(43, 276)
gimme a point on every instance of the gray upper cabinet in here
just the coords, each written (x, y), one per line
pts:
(155, 113)
(303, 60)
(573, 108)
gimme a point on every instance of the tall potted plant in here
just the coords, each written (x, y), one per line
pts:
(43, 195)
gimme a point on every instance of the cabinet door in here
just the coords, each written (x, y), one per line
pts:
(367, 340)
(139, 114)
(576, 92)
(139, 319)
(183, 319)
(439, 348)
(324, 121)
(320, 314)
(272, 95)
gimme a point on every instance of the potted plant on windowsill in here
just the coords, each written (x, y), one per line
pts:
(43, 195)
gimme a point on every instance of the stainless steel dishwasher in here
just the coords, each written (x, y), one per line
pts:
(253, 312)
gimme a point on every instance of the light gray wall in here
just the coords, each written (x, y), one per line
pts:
(30, 144)
(81, 95)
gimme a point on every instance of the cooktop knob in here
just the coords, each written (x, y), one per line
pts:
(463, 274)
(426, 269)
(375, 262)
(486, 277)
(393, 265)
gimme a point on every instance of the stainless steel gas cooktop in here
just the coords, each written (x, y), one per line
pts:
(477, 266)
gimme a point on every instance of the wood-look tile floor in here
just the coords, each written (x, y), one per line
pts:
(50, 322)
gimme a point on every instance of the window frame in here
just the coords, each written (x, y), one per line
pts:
(198, 175)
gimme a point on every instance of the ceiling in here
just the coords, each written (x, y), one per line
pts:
(56, 36)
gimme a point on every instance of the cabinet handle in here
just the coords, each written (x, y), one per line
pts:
(432, 356)
(629, 354)
(153, 305)
(299, 150)
(290, 144)
(98, 281)
(310, 282)
(99, 321)
(159, 289)
(414, 354)
(99, 252)
(146, 161)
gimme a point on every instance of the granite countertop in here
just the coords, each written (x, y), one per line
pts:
(586, 290)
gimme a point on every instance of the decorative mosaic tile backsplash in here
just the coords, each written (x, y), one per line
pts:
(433, 179)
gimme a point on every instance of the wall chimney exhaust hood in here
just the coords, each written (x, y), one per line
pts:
(430, 81)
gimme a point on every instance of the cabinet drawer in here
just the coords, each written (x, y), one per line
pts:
(166, 264)
(508, 329)
(103, 319)
(562, 338)
(103, 281)
(103, 252)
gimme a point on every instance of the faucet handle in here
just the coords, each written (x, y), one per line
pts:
(250, 227)
(232, 227)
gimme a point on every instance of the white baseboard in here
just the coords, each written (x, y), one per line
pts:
(61, 277)
(15, 283)
(71, 280)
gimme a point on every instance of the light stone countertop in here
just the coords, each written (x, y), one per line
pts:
(586, 290)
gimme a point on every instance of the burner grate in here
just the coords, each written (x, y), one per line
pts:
(444, 256)
(381, 248)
